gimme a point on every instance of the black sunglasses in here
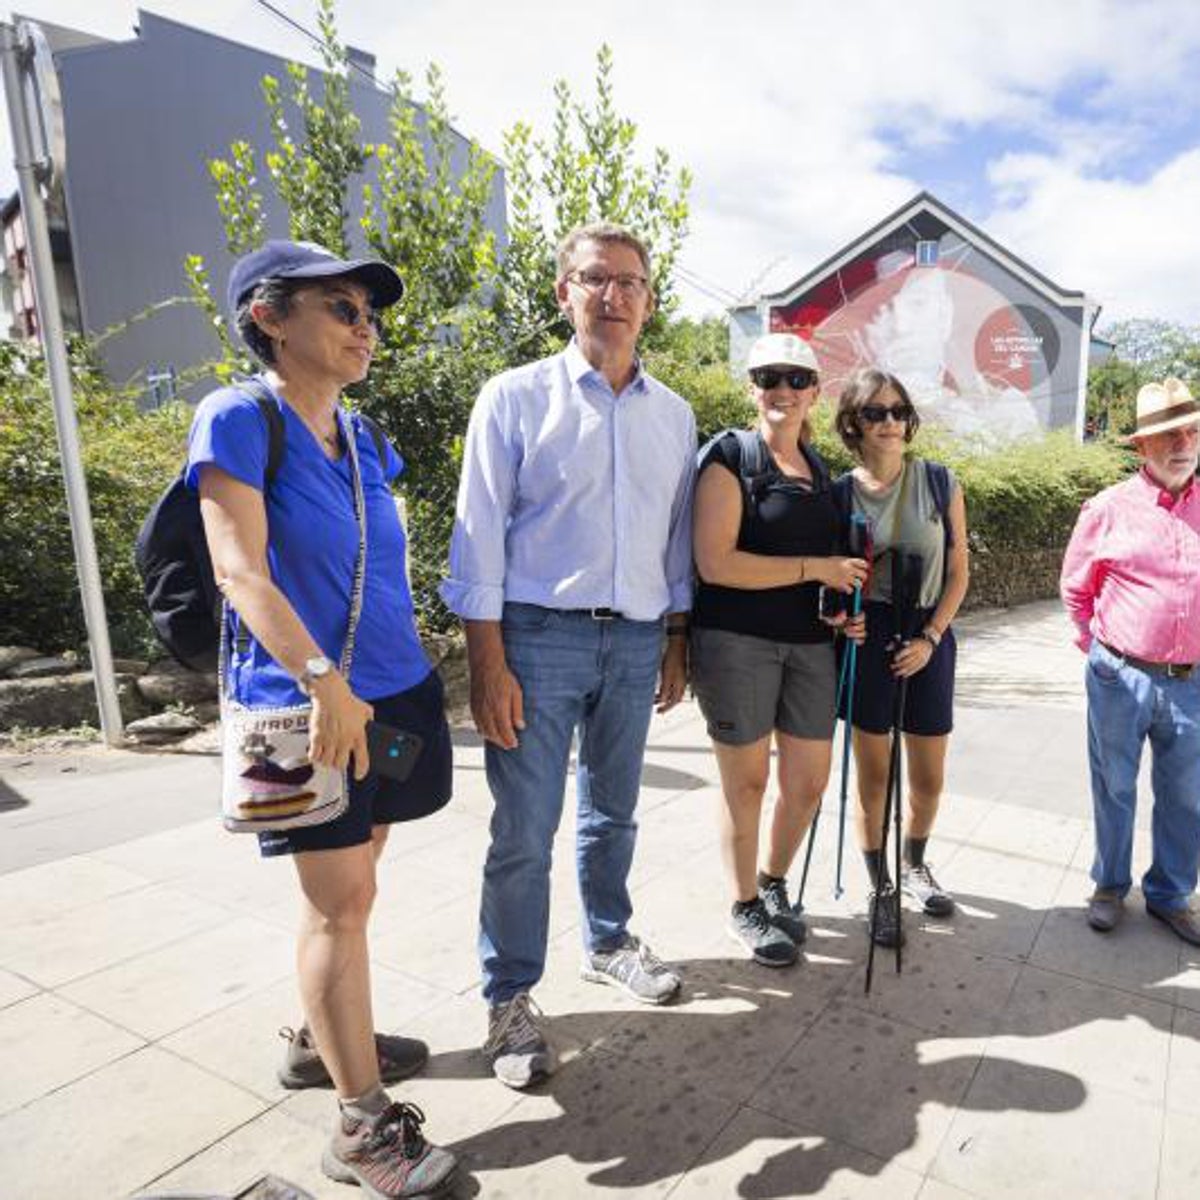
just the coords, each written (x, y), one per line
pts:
(350, 315)
(876, 414)
(797, 378)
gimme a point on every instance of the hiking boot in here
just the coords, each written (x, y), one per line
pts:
(633, 968)
(1104, 910)
(399, 1057)
(919, 883)
(387, 1157)
(517, 1049)
(750, 924)
(784, 915)
(888, 931)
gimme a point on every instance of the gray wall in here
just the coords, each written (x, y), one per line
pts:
(142, 120)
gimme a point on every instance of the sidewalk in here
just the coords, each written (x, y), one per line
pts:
(146, 963)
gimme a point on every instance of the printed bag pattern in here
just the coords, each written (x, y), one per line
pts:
(269, 781)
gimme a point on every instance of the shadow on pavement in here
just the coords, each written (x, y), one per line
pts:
(801, 1055)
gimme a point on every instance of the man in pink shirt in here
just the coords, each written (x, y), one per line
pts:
(1131, 584)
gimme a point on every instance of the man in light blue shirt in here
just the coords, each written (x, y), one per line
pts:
(572, 543)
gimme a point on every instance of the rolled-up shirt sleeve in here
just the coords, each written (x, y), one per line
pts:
(474, 588)
(679, 544)
(1083, 572)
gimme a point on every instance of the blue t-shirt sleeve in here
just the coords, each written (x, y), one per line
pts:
(394, 466)
(228, 431)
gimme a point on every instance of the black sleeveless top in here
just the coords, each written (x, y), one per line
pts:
(784, 516)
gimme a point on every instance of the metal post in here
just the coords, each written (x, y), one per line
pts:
(15, 60)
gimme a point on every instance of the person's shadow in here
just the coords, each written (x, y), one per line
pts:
(845, 1081)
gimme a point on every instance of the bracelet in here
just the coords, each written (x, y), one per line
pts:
(931, 635)
(677, 631)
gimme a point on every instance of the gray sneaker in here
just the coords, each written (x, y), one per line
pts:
(784, 915)
(751, 925)
(303, 1067)
(517, 1049)
(919, 883)
(389, 1157)
(633, 968)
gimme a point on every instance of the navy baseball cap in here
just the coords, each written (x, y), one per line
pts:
(307, 260)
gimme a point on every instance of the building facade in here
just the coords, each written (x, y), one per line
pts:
(986, 345)
(143, 118)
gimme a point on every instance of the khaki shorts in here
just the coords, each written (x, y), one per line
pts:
(748, 686)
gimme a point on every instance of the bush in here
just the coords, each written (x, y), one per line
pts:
(128, 458)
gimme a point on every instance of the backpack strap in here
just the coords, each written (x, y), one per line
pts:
(268, 406)
(937, 476)
(378, 439)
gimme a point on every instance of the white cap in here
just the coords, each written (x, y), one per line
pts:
(781, 350)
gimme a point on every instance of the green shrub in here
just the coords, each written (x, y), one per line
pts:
(128, 457)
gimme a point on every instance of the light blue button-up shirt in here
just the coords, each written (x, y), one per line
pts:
(574, 497)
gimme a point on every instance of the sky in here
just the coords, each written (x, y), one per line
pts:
(1069, 130)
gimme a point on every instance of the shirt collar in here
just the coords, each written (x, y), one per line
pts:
(1161, 496)
(578, 368)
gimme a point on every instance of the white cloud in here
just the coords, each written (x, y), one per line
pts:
(1130, 245)
(795, 119)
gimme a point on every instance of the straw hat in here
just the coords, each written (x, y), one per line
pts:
(1163, 406)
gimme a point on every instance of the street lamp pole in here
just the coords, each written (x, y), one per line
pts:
(17, 52)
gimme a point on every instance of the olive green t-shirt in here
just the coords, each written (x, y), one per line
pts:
(919, 531)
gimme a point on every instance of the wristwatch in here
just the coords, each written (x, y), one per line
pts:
(314, 668)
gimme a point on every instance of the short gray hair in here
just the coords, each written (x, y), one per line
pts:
(607, 234)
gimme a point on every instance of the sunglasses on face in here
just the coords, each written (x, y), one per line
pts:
(347, 313)
(876, 414)
(797, 378)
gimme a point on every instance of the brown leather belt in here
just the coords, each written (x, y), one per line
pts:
(1170, 670)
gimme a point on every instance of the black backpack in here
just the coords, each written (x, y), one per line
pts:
(755, 468)
(171, 551)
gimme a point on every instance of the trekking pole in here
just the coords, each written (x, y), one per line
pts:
(845, 672)
(851, 664)
(891, 792)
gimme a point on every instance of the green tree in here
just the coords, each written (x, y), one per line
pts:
(587, 169)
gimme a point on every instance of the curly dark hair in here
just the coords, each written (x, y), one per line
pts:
(864, 387)
(275, 294)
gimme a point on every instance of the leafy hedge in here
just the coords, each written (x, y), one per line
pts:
(128, 457)
(1022, 500)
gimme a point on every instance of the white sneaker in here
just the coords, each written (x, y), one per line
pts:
(633, 968)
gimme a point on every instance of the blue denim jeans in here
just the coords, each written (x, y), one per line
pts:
(1126, 707)
(576, 673)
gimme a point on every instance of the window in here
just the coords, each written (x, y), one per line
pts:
(927, 254)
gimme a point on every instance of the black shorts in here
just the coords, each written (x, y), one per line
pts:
(929, 702)
(378, 801)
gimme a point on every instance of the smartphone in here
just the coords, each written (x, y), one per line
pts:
(832, 603)
(393, 752)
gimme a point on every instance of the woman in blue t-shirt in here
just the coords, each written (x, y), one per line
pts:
(284, 557)
(765, 539)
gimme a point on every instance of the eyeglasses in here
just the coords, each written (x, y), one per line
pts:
(630, 286)
(349, 314)
(797, 378)
(876, 414)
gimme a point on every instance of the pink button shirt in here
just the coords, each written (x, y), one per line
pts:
(1131, 575)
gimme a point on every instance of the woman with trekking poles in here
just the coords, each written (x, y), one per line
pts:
(765, 542)
(917, 520)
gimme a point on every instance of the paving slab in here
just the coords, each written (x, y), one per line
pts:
(146, 968)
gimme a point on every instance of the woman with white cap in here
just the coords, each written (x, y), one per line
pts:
(765, 539)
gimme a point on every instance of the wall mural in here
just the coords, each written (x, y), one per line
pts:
(976, 359)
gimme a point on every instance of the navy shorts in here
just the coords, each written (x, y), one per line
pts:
(378, 801)
(929, 703)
